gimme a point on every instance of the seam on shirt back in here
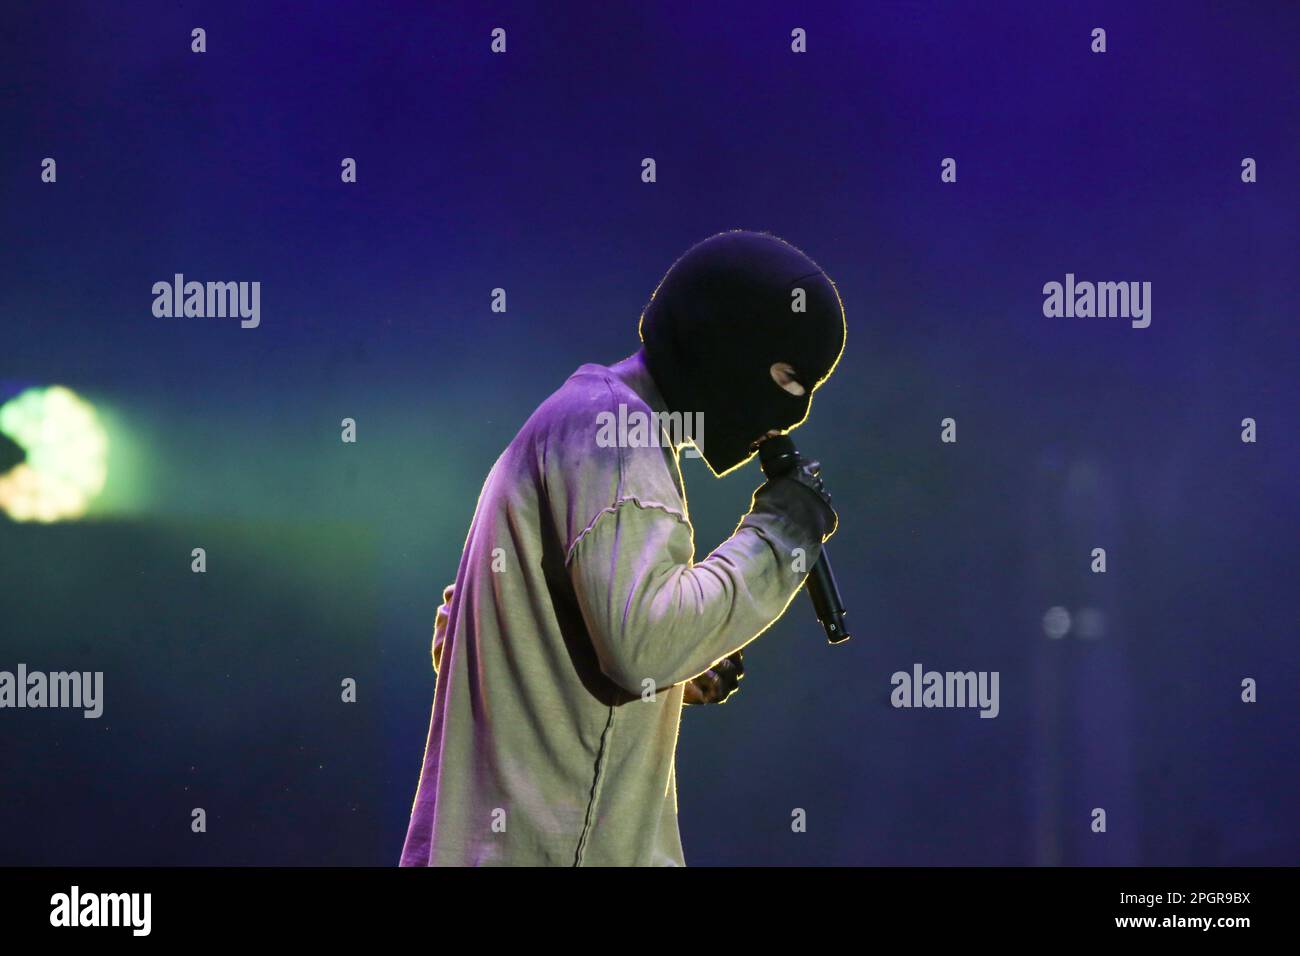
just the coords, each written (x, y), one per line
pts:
(606, 739)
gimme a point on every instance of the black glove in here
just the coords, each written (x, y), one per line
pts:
(800, 495)
(718, 683)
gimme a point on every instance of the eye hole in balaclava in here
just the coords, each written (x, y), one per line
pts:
(720, 318)
(787, 378)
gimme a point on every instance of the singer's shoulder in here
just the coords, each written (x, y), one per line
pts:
(591, 400)
(599, 388)
(596, 420)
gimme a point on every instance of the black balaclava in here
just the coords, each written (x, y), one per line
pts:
(721, 316)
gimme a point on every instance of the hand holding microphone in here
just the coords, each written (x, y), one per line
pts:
(800, 493)
(794, 486)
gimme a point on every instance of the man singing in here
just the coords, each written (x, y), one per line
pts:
(580, 621)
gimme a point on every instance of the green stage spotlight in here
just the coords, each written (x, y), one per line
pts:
(65, 455)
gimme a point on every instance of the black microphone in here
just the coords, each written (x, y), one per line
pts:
(777, 456)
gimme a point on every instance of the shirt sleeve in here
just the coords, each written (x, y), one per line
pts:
(653, 614)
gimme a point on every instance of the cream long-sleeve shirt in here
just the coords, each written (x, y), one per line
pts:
(578, 614)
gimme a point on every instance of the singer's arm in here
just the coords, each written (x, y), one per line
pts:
(653, 613)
